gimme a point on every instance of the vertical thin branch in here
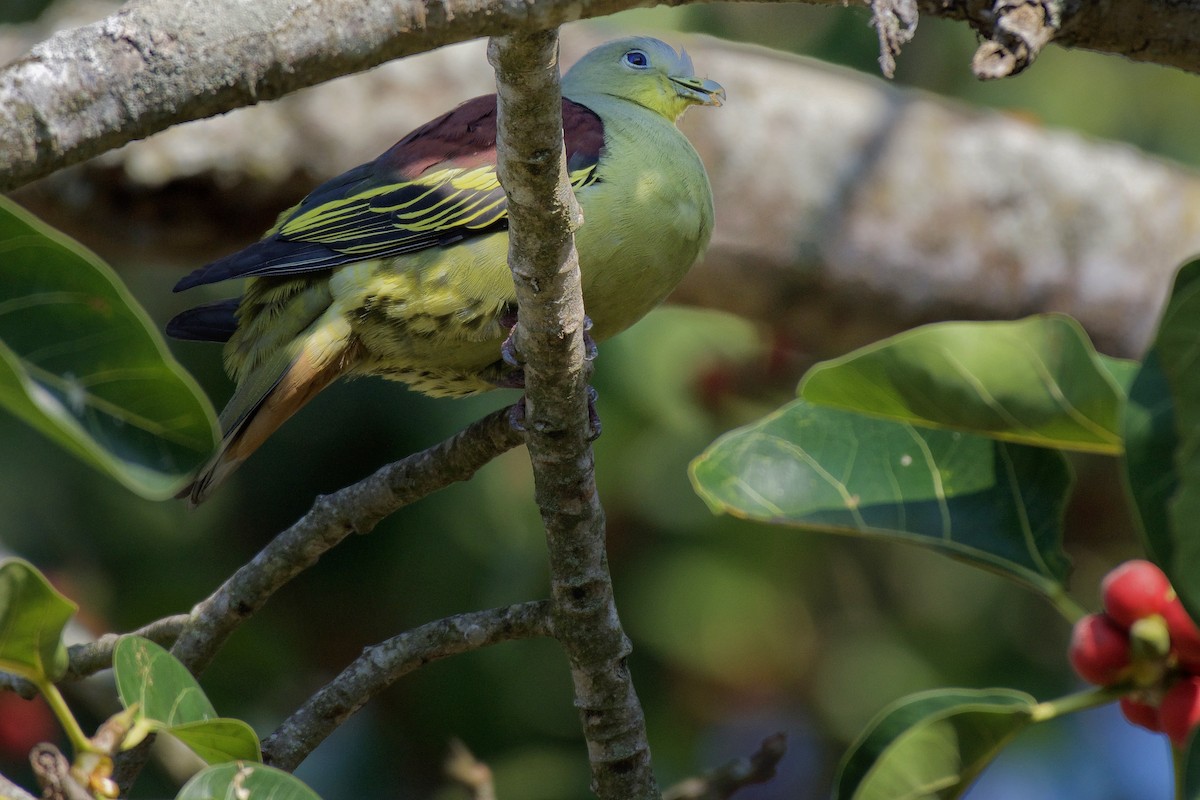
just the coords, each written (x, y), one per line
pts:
(542, 217)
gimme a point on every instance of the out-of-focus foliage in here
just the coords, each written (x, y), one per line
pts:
(21, 10)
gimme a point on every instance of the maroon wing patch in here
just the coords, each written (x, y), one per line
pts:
(466, 138)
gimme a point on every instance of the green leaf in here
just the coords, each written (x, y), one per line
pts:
(989, 503)
(931, 745)
(32, 617)
(168, 698)
(219, 740)
(162, 688)
(81, 362)
(245, 782)
(1034, 381)
(1121, 370)
(1162, 430)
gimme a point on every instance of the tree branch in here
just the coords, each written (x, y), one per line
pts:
(1155, 31)
(726, 781)
(155, 63)
(88, 658)
(542, 215)
(91, 657)
(383, 664)
(10, 791)
(1019, 29)
(355, 509)
(53, 772)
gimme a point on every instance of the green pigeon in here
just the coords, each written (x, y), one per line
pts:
(398, 267)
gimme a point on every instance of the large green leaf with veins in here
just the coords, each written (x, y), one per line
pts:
(1033, 381)
(81, 362)
(990, 503)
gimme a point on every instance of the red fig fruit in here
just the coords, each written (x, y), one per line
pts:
(1180, 709)
(1099, 650)
(1134, 590)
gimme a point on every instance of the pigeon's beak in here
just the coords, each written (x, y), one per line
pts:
(700, 91)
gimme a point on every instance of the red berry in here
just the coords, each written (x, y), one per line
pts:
(24, 723)
(1141, 714)
(1185, 636)
(1180, 709)
(1134, 590)
(1099, 650)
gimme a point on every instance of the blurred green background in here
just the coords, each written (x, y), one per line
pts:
(739, 630)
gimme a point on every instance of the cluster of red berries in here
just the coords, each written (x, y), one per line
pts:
(1144, 638)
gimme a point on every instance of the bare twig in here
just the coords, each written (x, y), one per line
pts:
(53, 772)
(91, 657)
(542, 215)
(197, 636)
(355, 509)
(10, 791)
(726, 781)
(382, 665)
(467, 771)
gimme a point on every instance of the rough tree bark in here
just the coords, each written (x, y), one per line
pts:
(543, 216)
(155, 63)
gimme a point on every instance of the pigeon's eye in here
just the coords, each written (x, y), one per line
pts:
(636, 59)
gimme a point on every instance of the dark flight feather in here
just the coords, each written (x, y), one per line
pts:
(211, 322)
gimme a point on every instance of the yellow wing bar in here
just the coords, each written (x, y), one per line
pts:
(438, 207)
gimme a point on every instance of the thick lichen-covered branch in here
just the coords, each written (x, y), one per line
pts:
(156, 63)
(542, 216)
